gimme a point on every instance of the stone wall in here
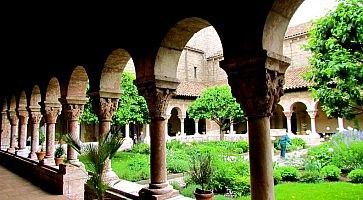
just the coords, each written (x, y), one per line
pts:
(293, 48)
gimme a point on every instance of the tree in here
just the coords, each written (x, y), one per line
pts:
(218, 104)
(336, 44)
(132, 107)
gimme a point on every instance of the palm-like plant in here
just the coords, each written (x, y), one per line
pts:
(97, 156)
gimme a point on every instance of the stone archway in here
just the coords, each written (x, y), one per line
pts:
(300, 119)
(278, 119)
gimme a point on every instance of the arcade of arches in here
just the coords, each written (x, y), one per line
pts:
(53, 90)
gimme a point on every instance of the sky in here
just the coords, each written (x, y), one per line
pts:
(312, 9)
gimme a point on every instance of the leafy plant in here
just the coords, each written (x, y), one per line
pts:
(356, 176)
(331, 172)
(59, 151)
(97, 157)
(201, 171)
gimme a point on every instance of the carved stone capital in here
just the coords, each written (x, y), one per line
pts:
(257, 82)
(51, 114)
(312, 113)
(73, 111)
(35, 117)
(287, 114)
(157, 94)
(13, 118)
(23, 116)
(105, 107)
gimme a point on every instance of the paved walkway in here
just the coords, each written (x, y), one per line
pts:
(14, 187)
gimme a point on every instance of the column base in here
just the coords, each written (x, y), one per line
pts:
(11, 150)
(33, 156)
(110, 177)
(49, 161)
(127, 144)
(156, 193)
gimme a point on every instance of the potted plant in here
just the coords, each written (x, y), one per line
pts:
(41, 154)
(201, 173)
(58, 155)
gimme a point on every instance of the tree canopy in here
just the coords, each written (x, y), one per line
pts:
(132, 107)
(336, 44)
(218, 104)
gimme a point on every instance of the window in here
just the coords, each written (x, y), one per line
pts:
(195, 72)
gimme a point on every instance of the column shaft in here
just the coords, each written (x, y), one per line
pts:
(262, 184)
(158, 152)
(50, 138)
(73, 132)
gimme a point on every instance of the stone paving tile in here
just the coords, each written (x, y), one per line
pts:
(14, 187)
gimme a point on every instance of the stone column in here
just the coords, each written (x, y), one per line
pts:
(157, 94)
(340, 124)
(147, 134)
(257, 83)
(35, 117)
(4, 120)
(104, 108)
(231, 130)
(52, 110)
(128, 141)
(288, 115)
(312, 114)
(182, 117)
(23, 123)
(196, 126)
(73, 110)
(14, 129)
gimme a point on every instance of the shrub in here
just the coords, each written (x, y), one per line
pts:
(310, 177)
(288, 173)
(356, 176)
(188, 191)
(141, 148)
(175, 145)
(312, 165)
(241, 186)
(177, 165)
(277, 177)
(321, 153)
(331, 172)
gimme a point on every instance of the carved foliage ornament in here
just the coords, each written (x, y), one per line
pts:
(73, 111)
(51, 114)
(13, 118)
(106, 108)
(35, 117)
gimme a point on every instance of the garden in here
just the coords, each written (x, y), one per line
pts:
(335, 167)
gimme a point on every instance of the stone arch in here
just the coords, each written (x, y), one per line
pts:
(179, 110)
(113, 68)
(300, 119)
(53, 91)
(278, 119)
(276, 24)
(35, 97)
(174, 125)
(22, 101)
(77, 85)
(173, 44)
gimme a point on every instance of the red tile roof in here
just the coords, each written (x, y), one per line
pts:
(191, 89)
(297, 30)
(293, 78)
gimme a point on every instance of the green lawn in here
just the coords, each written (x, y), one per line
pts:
(310, 191)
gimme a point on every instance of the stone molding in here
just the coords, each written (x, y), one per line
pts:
(312, 113)
(257, 81)
(288, 114)
(23, 117)
(105, 107)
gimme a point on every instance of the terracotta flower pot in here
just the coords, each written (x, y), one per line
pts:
(58, 161)
(40, 155)
(203, 194)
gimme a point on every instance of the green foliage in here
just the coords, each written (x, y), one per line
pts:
(320, 153)
(141, 148)
(59, 151)
(336, 44)
(241, 186)
(218, 104)
(312, 165)
(356, 176)
(88, 115)
(188, 191)
(201, 171)
(310, 177)
(277, 177)
(288, 173)
(132, 107)
(97, 157)
(41, 136)
(331, 172)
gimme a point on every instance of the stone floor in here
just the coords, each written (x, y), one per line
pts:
(14, 187)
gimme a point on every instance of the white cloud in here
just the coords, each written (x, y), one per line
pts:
(312, 9)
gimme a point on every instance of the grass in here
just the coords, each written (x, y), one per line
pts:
(309, 191)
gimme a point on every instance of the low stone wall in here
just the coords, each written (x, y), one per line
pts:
(208, 137)
(67, 180)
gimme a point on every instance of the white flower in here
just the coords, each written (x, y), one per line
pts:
(331, 149)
